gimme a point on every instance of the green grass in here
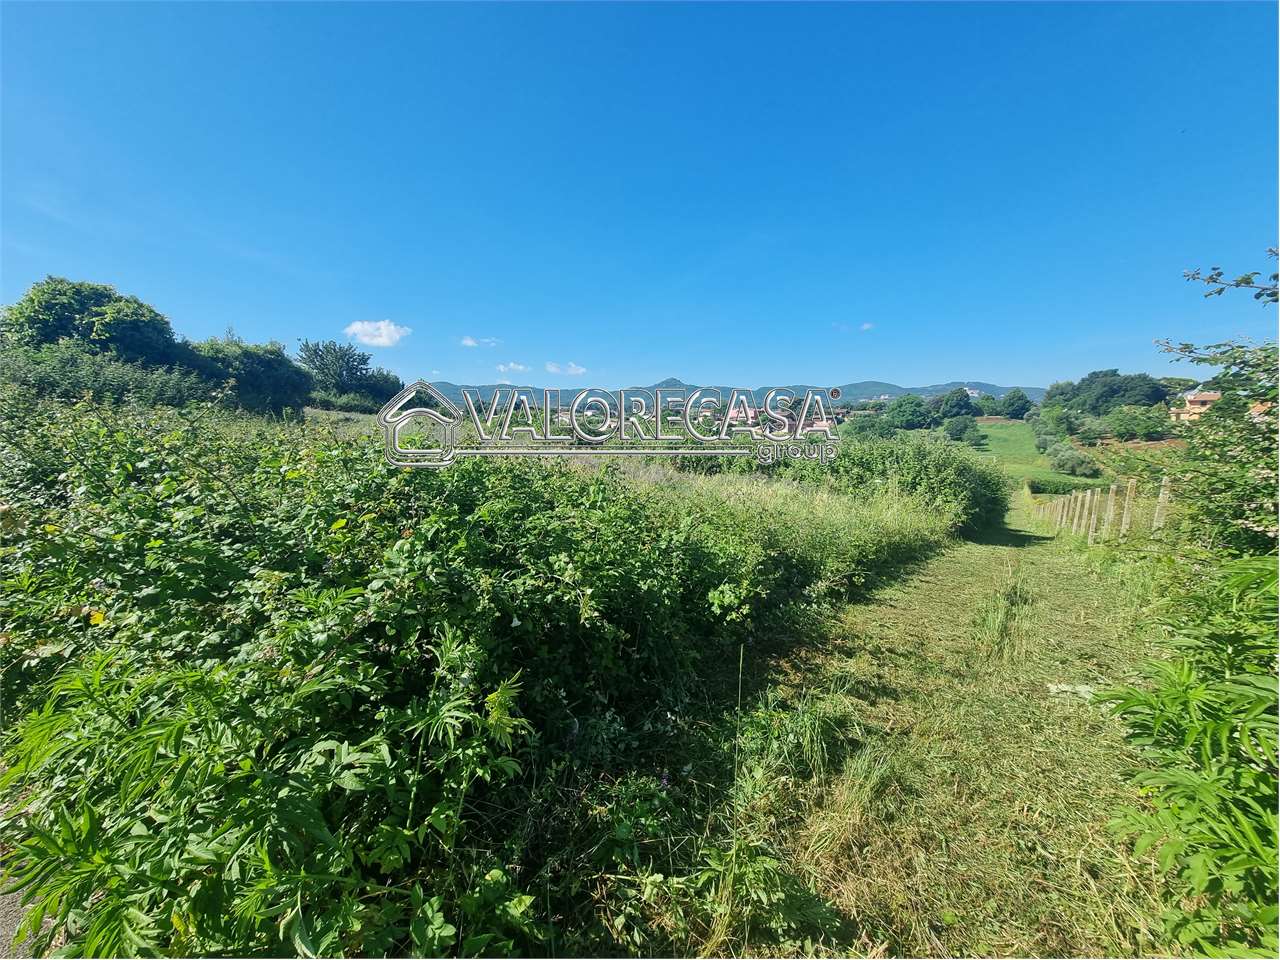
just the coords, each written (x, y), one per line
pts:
(1013, 445)
(972, 815)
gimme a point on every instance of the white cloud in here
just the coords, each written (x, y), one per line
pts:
(435, 373)
(479, 341)
(511, 367)
(507, 382)
(866, 326)
(570, 369)
(376, 333)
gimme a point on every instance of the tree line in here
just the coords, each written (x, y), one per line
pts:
(70, 338)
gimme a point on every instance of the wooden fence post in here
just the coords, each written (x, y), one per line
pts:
(1127, 517)
(1079, 514)
(1111, 512)
(1096, 496)
(1162, 504)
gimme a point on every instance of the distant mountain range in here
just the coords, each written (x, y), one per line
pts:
(849, 392)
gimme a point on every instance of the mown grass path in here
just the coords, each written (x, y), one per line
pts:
(971, 817)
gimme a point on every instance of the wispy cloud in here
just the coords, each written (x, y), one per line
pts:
(376, 333)
(479, 341)
(570, 368)
(866, 326)
(511, 367)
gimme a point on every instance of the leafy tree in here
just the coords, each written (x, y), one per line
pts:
(343, 378)
(867, 426)
(1227, 486)
(54, 308)
(1132, 422)
(989, 406)
(133, 330)
(57, 308)
(1104, 390)
(1263, 292)
(908, 412)
(1015, 404)
(963, 428)
(381, 385)
(957, 403)
(336, 367)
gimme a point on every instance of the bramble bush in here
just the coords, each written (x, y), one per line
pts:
(263, 693)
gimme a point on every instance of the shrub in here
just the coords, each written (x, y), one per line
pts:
(963, 428)
(269, 695)
(1067, 458)
(947, 477)
(344, 402)
(71, 369)
(1206, 722)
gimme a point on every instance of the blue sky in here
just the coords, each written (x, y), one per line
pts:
(737, 194)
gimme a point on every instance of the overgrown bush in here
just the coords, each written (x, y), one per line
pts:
(266, 694)
(1206, 722)
(71, 370)
(1066, 458)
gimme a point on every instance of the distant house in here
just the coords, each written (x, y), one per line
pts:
(1197, 402)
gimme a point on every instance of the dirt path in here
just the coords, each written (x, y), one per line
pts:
(972, 818)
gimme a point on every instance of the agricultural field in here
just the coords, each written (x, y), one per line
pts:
(1012, 444)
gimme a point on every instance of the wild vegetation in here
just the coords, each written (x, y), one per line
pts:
(69, 339)
(268, 694)
(1206, 718)
(262, 693)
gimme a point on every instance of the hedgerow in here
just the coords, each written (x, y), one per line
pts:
(264, 693)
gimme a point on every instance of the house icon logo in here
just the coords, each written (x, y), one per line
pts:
(418, 426)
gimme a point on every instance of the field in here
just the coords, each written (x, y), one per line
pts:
(1013, 446)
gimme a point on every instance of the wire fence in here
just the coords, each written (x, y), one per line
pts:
(1108, 514)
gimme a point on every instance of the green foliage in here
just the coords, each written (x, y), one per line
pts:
(266, 694)
(957, 403)
(908, 412)
(1131, 422)
(71, 338)
(1103, 390)
(963, 428)
(856, 427)
(56, 308)
(1217, 283)
(1015, 404)
(1227, 481)
(947, 477)
(71, 369)
(265, 379)
(343, 378)
(989, 406)
(1206, 721)
(1066, 458)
